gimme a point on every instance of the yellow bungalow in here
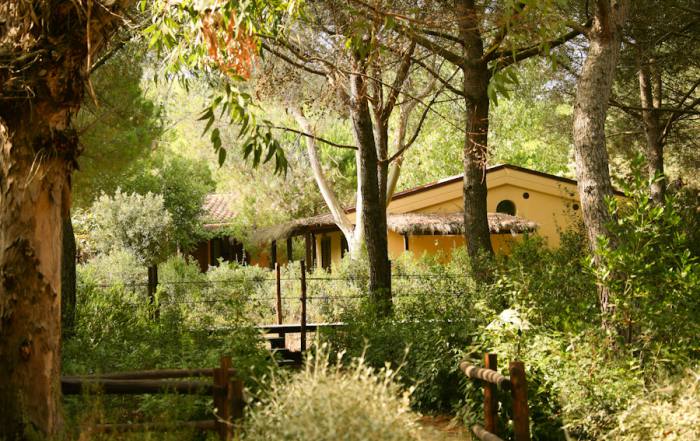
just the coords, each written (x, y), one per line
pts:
(428, 218)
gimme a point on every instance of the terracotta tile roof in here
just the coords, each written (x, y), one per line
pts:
(218, 209)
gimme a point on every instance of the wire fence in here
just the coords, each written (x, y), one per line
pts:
(266, 299)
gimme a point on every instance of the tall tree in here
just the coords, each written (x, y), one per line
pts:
(47, 48)
(590, 110)
(657, 84)
(483, 40)
(342, 48)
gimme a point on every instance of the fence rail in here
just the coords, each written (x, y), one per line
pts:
(226, 390)
(493, 381)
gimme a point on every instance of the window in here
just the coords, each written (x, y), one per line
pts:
(506, 206)
(326, 253)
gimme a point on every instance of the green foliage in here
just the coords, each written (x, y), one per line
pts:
(435, 313)
(555, 286)
(329, 402)
(670, 412)
(119, 130)
(183, 184)
(653, 276)
(116, 330)
(137, 223)
(220, 43)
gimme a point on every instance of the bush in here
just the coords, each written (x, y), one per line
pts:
(116, 330)
(669, 413)
(652, 274)
(331, 402)
(436, 313)
(137, 223)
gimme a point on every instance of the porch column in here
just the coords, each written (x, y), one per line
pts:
(405, 242)
(308, 250)
(273, 254)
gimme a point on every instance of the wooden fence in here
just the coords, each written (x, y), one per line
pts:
(226, 390)
(492, 383)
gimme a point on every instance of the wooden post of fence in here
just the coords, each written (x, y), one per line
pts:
(278, 305)
(152, 287)
(490, 397)
(223, 399)
(238, 403)
(521, 418)
(303, 307)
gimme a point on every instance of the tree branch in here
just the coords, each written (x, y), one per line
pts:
(292, 62)
(401, 75)
(317, 138)
(506, 58)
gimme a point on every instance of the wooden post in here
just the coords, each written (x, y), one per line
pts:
(223, 399)
(311, 264)
(278, 305)
(490, 398)
(303, 307)
(273, 254)
(153, 287)
(238, 404)
(521, 418)
(405, 242)
(308, 249)
(290, 250)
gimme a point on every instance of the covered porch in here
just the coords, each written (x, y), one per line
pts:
(419, 233)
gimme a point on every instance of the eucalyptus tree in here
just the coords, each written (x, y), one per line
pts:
(47, 51)
(339, 64)
(484, 40)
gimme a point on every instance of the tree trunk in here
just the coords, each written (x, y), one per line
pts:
(374, 211)
(34, 199)
(476, 81)
(650, 97)
(590, 110)
(68, 278)
(329, 196)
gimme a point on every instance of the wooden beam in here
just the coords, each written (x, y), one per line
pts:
(159, 374)
(486, 375)
(76, 386)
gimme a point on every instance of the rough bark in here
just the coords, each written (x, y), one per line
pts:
(650, 97)
(375, 226)
(68, 278)
(476, 80)
(46, 47)
(590, 110)
(34, 192)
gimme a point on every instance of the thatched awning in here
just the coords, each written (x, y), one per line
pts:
(402, 223)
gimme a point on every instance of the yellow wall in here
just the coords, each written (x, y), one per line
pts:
(550, 203)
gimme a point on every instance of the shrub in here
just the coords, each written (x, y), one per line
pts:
(137, 223)
(670, 413)
(652, 274)
(435, 315)
(331, 402)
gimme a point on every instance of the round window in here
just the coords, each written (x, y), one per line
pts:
(506, 206)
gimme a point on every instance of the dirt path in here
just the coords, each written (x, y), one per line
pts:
(443, 428)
